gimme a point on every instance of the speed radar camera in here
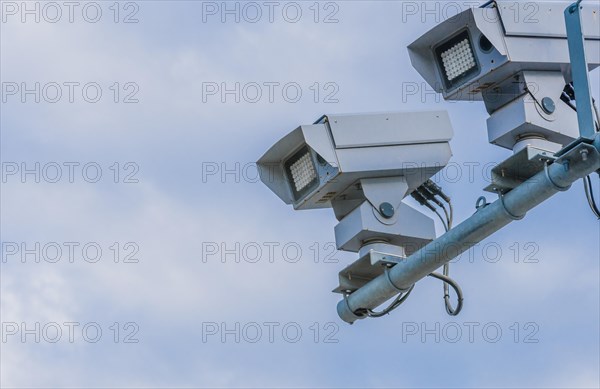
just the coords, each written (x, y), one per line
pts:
(531, 74)
(363, 166)
(471, 54)
(513, 56)
(319, 165)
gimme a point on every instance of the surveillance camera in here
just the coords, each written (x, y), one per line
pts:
(481, 47)
(519, 65)
(322, 165)
(363, 166)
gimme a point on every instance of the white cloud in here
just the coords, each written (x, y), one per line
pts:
(171, 212)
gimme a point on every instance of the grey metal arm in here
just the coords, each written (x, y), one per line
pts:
(577, 163)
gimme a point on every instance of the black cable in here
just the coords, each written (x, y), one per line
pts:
(570, 90)
(567, 100)
(595, 107)
(445, 277)
(425, 193)
(395, 304)
(448, 218)
(444, 222)
(422, 200)
(428, 194)
(589, 194)
(449, 281)
(435, 188)
(568, 96)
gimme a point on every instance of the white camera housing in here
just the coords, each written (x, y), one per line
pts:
(363, 166)
(513, 56)
(503, 40)
(321, 165)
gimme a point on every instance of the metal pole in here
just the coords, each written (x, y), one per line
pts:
(579, 70)
(580, 161)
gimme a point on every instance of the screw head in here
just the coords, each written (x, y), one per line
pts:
(548, 105)
(386, 210)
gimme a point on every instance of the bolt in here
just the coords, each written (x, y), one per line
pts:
(386, 210)
(584, 155)
(548, 105)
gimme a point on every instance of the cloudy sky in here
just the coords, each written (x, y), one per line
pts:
(140, 250)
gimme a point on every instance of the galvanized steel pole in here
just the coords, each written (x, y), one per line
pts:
(577, 163)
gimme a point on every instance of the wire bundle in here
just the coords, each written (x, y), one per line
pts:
(589, 193)
(427, 195)
(568, 97)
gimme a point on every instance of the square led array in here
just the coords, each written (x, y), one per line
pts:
(458, 60)
(303, 172)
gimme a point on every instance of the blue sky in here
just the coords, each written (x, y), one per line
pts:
(537, 280)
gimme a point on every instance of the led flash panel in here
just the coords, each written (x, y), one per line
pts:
(302, 173)
(457, 60)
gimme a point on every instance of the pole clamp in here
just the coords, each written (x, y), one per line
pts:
(554, 184)
(387, 274)
(509, 213)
